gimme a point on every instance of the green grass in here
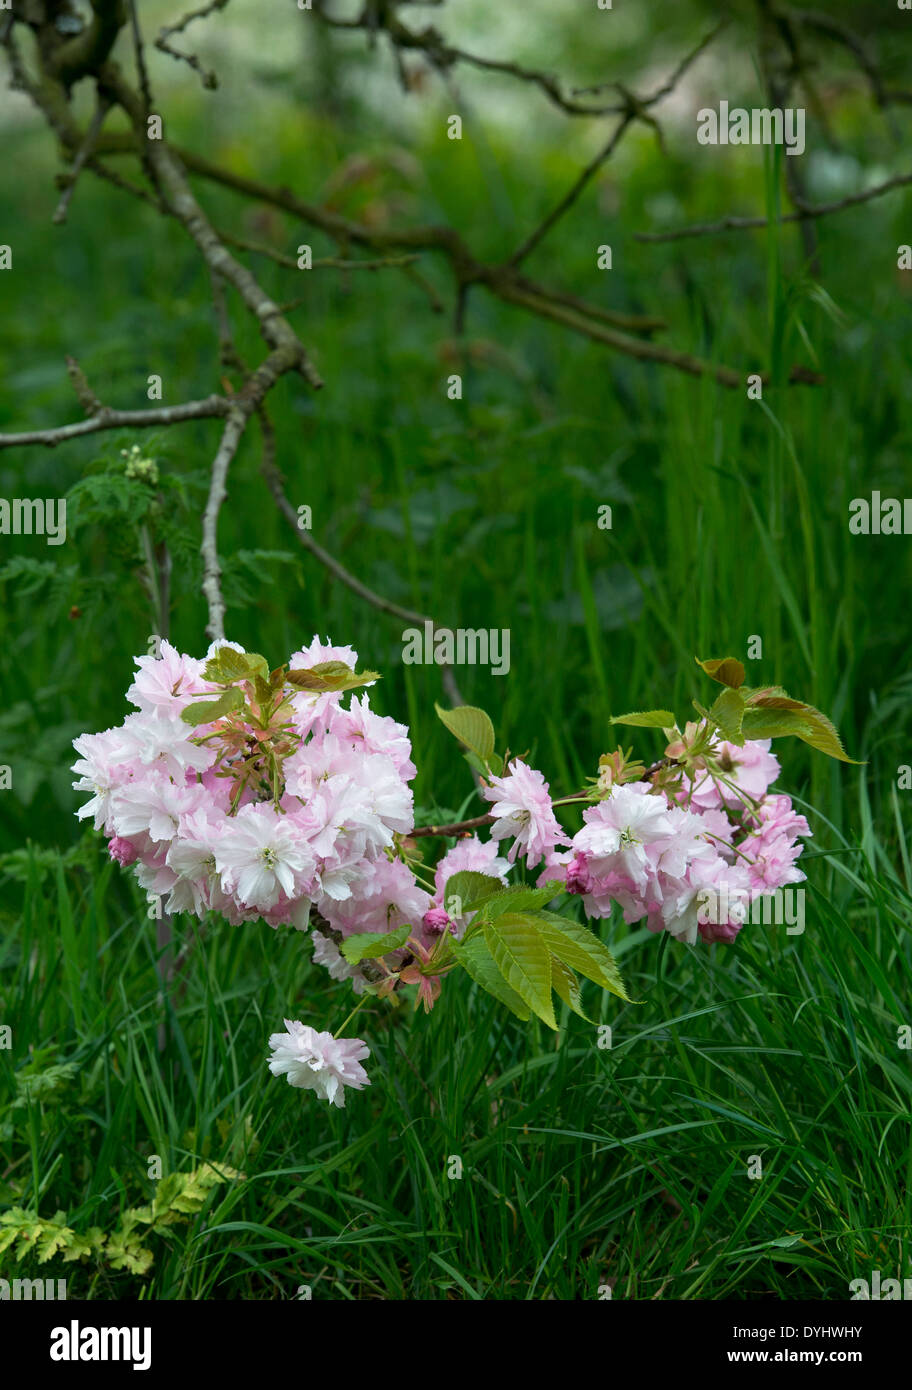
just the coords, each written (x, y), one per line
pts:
(581, 1165)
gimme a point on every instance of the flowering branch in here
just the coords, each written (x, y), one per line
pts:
(258, 793)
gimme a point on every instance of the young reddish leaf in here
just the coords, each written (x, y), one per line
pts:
(726, 670)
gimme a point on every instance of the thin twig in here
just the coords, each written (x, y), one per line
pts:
(459, 827)
(102, 107)
(573, 192)
(321, 263)
(744, 224)
(109, 419)
(383, 605)
(207, 76)
(140, 55)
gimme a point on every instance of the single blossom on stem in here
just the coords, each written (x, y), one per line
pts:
(318, 1061)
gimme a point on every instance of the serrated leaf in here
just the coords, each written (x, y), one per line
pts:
(728, 712)
(726, 670)
(471, 726)
(229, 665)
(772, 723)
(520, 954)
(474, 955)
(29, 1237)
(206, 711)
(471, 888)
(124, 1251)
(10, 1233)
(567, 987)
(52, 1239)
(367, 945)
(768, 720)
(330, 676)
(519, 897)
(582, 950)
(771, 697)
(646, 719)
(824, 737)
(81, 1247)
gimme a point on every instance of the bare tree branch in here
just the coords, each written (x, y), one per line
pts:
(574, 192)
(459, 827)
(82, 154)
(383, 605)
(67, 60)
(208, 78)
(231, 438)
(177, 194)
(325, 263)
(746, 224)
(109, 419)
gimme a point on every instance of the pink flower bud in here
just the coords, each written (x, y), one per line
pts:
(123, 851)
(436, 919)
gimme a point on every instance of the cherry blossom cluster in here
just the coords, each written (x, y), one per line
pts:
(690, 850)
(166, 806)
(295, 807)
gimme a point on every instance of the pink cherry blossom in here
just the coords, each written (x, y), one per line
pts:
(523, 812)
(318, 1061)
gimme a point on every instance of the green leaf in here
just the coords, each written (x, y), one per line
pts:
(771, 697)
(520, 954)
(367, 945)
(53, 1238)
(726, 670)
(484, 767)
(205, 711)
(767, 718)
(567, 987)
(647, 719)
(471, 726)
(582, 950)
(81, 1247)
(126, 1252)
(519, 897)
(228, 665)
(330, 675)
(473, 954)
(824, 737)
(471, 888)
(727, 712)
(263, 690)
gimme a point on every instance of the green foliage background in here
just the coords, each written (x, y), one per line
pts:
(581, 1166)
